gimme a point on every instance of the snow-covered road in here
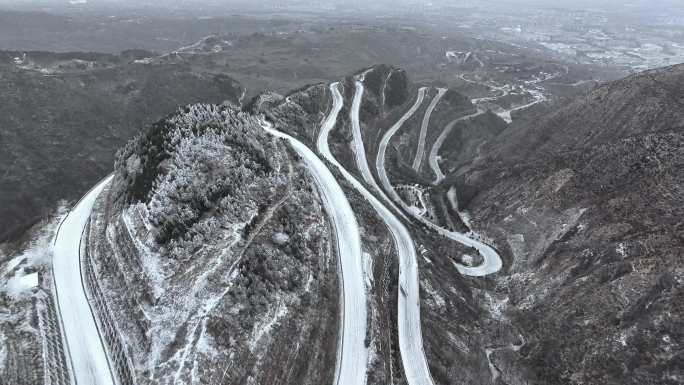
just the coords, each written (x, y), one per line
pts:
(434, 151)
(491, 259)
(352, 353)
(358, 146)
(413, 358)
(86, 349)
(503, 113)
(420, 152)
(538, 98)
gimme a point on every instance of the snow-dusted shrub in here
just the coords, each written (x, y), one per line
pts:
(202, 162)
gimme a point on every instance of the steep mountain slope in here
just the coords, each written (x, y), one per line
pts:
(450, 306)
(587, 205)
(214, 251)
(220, 262)
(62, 116)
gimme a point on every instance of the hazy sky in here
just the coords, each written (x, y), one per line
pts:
(670, 6)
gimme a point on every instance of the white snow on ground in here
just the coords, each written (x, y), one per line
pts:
(205, 345)
(468, 259)
(263, 328)
(38, 253)
(492, 261)
(352, 362)
(307, 286)
(538, 98)
(358, 147)
(15, 281)
(198, 319)
(384, 85)
(368, 269)
(416, 211)
(496, 306)
(492, 369)
(433, 157)
(453, 198)
(413, 358)
(14, 262)
(148, 258)
(420, 152)
(3, 352)
(621, 249)
(88, 357)
(439, 300)
(21, 283)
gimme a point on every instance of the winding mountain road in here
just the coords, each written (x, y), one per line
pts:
(420, 151)
(89, 359)
(491, 259)
(434, 151)
(358, 146)
(538, 98)
(413, 358)
(352, 354)
(503, 113)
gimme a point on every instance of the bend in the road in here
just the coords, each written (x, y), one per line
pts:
(491, 259)
(89, 359)
(434, 151)
(420, 151)
(352, 353)
(416, 369)
(359, 148)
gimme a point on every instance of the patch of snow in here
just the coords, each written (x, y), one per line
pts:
(468, 259)
(14, 262)
(3, 352)
(263, 328)
(517, 244)
(439, 300)
(206, 345)
(280, 238)
(496, 306)
(621, 249)
(307, 286)
(416, 210)
(38, 254)
(19, 60)
(465, 217)
(20, 284)
(149, 259)
(623, 338)
(492, 369)
(368, 269)
(458, 343)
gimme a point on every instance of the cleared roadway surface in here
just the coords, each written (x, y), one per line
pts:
(491, 259)
(434, 151)
(86, 349)
(352, 354)
(420, 151)
(413, 358)
(358, 146)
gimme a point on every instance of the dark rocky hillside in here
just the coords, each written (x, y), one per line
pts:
(62, 117)
(587, 206)
(214, 250)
